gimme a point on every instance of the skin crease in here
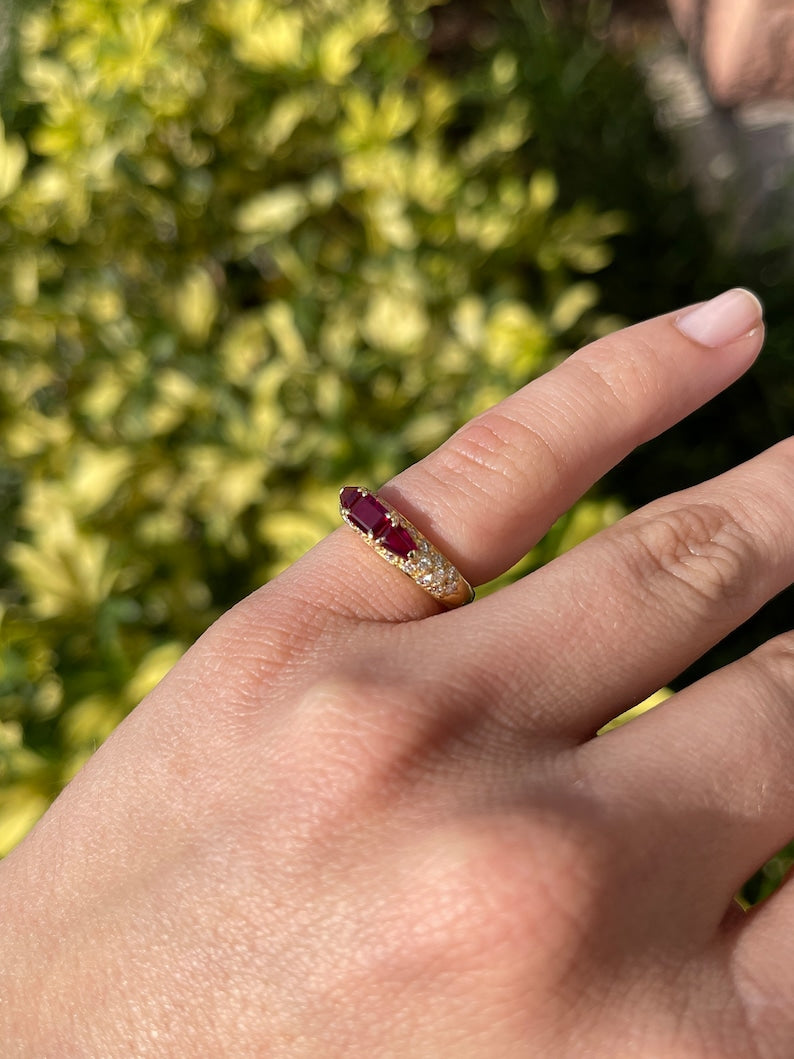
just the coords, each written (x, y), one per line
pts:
(348, 825)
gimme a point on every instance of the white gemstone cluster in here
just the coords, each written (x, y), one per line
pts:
(428, 567)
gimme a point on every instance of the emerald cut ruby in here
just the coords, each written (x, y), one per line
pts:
(349, 496)
(398, 540)
(366, 512)
(373, 517)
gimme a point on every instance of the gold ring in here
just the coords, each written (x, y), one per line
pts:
(400, 543)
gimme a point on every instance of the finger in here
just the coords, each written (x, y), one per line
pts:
(704, 781)
(488, 494)
(611, 621)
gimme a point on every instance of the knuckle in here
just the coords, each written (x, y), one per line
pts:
(355, 748)
(264, 632)
(703, 547)
(507, 449)
(347, 742)
(514, 886)
(625, 366)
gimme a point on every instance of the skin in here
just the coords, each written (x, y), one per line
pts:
(349, 825)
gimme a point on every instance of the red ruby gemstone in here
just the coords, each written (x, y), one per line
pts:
(368, 514)
(398, 540)
(349, 497)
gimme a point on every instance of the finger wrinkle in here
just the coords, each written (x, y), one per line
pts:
(703, 546)
(519, 454)
(631, 376)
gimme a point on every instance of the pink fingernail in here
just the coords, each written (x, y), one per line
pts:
(726, 318)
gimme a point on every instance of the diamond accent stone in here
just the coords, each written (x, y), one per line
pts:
(432, 571)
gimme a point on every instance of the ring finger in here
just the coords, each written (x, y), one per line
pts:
(488, 494)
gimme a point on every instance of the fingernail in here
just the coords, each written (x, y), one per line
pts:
(726, 318)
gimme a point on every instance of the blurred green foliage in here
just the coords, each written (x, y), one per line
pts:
(249, 250)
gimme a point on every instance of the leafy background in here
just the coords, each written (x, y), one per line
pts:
(251, 250)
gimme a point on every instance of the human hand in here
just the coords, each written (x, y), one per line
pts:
(348, 825)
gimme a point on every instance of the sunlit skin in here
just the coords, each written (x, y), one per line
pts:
(350, 824)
